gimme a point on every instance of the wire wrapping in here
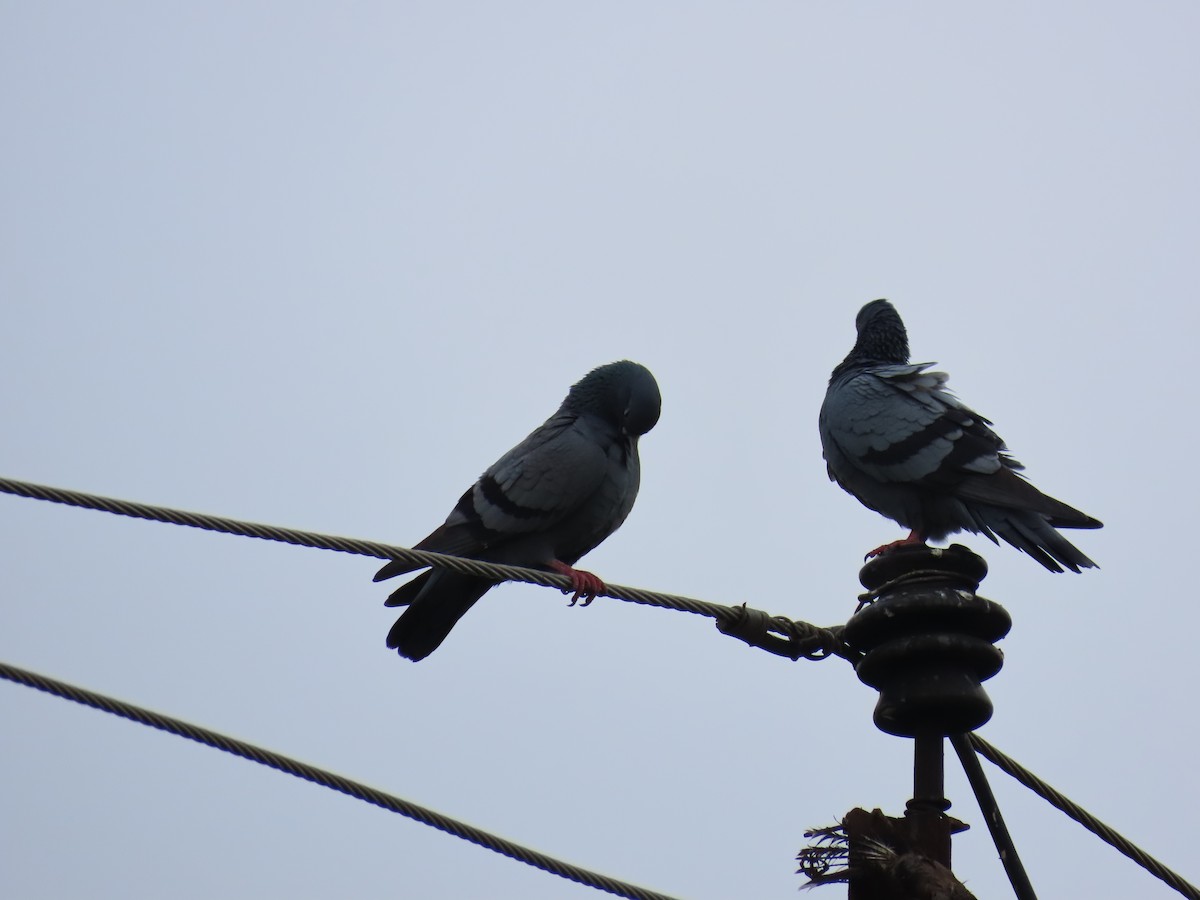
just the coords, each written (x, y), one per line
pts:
(329, 780)
(1010, 766)
(811, 641)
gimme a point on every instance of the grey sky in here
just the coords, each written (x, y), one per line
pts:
(318, 265)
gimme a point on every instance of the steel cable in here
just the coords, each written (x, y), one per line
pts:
(329, 780)
(813, 642)
(1009, 858)
(1083, 817)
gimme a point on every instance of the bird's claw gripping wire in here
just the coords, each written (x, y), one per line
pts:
(584, 584)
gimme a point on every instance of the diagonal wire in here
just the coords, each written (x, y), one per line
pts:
(1083, 817)
(804, 640)
(330, 780)
(1009, 858)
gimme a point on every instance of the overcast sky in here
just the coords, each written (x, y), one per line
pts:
(318, 265)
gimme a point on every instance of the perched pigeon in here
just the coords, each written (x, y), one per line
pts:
(544, 504)
(900, 442)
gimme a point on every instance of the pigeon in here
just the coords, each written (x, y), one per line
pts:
(544, 504)
(896, 438)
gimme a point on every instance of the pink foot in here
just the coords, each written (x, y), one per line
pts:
(585, 585)
(913, 538)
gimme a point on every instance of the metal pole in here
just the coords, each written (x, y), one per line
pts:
(927, 809)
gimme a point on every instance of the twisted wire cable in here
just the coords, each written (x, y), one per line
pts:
(329, 780)
(808, 641)
(1083, 817)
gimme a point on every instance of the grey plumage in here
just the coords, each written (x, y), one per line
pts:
(544, 504)
(899, 441)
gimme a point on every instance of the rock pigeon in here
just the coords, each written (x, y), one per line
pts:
(896, 438)
(544, 504)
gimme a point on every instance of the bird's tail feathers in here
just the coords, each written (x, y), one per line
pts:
(407, 592)
(395, 567)
(457, 538)
(1034, 533)
(436, 600)
(1006, 489)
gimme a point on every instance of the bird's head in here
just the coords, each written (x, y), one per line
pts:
(881, 334)
(623, 393)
